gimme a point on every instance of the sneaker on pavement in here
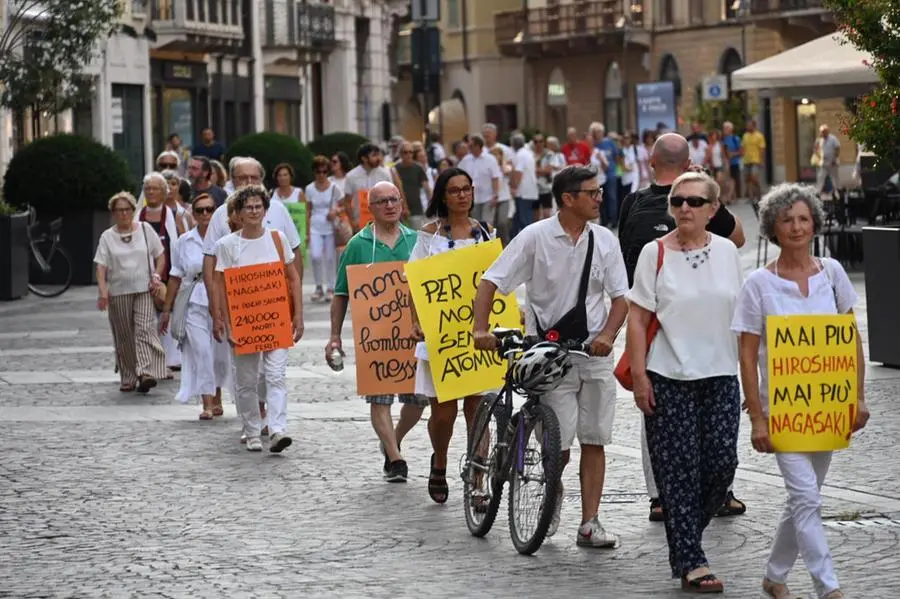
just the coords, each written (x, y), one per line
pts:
(554, 523)
(254, 444)
(397, 472)
(592, 534)
(387, 461)
(279, 442)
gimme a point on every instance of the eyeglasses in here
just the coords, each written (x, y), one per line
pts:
(387, 200)
(460, 191)
(204, 209)
(154, 188)
(248, 179)
(594, 193)
(123, 210)
(168, 165)
(404, 152)
(321, 171)
(692, 201)
(253, 208)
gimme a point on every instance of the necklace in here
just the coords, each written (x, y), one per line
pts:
(448, 233)
(695, 257)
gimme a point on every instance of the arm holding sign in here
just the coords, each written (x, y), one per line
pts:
(297, 297)
(862, 410)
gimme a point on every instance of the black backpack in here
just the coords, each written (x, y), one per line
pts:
(644, 218)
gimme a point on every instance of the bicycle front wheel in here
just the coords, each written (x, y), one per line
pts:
(57, 278)
(534, 479)
(481, 471)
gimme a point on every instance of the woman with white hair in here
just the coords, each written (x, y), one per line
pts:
(130, 266)
(165, 223)
(175, 203)
(685, 378)
(795, 283)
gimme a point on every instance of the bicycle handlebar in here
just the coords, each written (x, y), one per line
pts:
(513, 341)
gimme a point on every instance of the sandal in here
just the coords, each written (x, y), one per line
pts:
(207, 413)
(702, 584)
(656, 511)
(437, 484)
(126, 388)
(731, 507)
(217, 409)
(145, 383)
(768, 588)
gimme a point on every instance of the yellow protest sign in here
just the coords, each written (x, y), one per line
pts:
(812, 366)
(443, 289)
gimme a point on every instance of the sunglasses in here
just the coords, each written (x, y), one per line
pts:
(204, 209)
(692, 201)
(321, 171)
(168, 165)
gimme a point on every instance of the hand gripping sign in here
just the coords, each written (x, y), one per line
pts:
(258, 308)
(812, 366)
(382, 327)
(443, 288)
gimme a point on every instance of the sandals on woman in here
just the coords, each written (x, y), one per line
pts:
(781, 592)
(145, 383)
(731, 507)
(437, 484)
(702, 584)
(126, 388)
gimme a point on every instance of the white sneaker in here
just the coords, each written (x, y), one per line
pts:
(554, 523)
(278, 442)
(254, 444)
(592, 534)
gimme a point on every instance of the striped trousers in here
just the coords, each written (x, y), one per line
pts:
(138, 350)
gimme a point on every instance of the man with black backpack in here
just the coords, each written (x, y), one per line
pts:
(644, 217)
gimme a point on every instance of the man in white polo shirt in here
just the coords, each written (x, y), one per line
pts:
(568, 265)
(486, 177)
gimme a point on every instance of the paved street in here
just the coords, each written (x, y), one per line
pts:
(104, 494)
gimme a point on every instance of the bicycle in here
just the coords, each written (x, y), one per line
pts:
(49, 267)
(486, 468)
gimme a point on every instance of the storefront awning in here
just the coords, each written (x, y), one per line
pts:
(825, 67)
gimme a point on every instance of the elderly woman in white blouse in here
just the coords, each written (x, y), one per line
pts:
(130, 265)
(204, 373)
(686, 381)
(794, 283)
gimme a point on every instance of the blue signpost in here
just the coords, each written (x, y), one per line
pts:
(655, 106)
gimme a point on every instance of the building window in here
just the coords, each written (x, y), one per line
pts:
(731, 9)
(283, 116)
(453, 14)
(612, 99)
(664, 12)
(669, 72)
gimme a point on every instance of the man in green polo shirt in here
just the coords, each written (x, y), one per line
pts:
(386, 239)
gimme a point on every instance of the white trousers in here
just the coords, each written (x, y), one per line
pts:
(203, 369)
(800, 531)
(322, 255)
(247, 371)
(173, 354)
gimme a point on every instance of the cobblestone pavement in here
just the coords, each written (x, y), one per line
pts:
(105, 495)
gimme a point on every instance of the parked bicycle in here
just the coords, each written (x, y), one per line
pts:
(49, 266)
(500, 446)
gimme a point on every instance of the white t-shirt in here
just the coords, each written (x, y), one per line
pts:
(524, 164)
(277, 217)
(128, 262)
(717, 157)
(321, 203)
(291, 199)
(698, 152)
(766, 294)
(234, 250)
(694, 307)
(483, 169)
(598, 161)
(629, 159)
(544, 258)
(187, 264)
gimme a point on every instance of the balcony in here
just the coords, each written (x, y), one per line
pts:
(577, 28)
(197, 25)
(806, 14)
(294, 32)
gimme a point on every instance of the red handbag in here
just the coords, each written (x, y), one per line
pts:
(623, 368)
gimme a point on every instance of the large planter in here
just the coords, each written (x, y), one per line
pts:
(881, 247)
(14, 256)
(80, 235)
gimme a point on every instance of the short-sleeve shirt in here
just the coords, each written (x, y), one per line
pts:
(365, 248)
(577, 153)
(483, 169)
(359, 181)
(694, 307)
(733, 145)
(611, 152)
(830, 147)
(128, 263)
(187, 264)
(544, 258)
(524, 163)
(234, 250)
(753, 143)
(766, 294)
(213, 152)
(277, 217)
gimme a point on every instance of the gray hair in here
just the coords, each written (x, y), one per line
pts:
(780, 199)
(125, 197)
(712, 188)
(552, 141)
(158, 177)
(169, 154)
(517, 141)
(242, 160)
(489, 127)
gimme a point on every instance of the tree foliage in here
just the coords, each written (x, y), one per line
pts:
(45, 47)
(338, 141)
(271, 149)
(873, 26)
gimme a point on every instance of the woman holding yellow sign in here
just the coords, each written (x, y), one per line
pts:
(790, 326)
(451, 203)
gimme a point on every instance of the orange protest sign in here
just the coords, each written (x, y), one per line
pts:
(382, 324)
(258, 308)
(365, 215)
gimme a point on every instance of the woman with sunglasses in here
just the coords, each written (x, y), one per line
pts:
(453, 228)
(323, 199)
(686, 381)
(340, 166)
(202, 375)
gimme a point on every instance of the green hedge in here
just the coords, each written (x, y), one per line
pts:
(340, 141)
(64, 174)
(272, 149)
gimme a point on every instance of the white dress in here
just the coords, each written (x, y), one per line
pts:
(432, 244)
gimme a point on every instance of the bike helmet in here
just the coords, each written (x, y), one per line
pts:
(540, 369)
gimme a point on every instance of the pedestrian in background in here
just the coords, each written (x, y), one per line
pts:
(323, 200)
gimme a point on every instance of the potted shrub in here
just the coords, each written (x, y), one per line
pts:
(272, 149)
(72, 177)
(13, 252)
(340, 141)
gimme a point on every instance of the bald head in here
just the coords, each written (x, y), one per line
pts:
(670, 157)
(383, 189)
